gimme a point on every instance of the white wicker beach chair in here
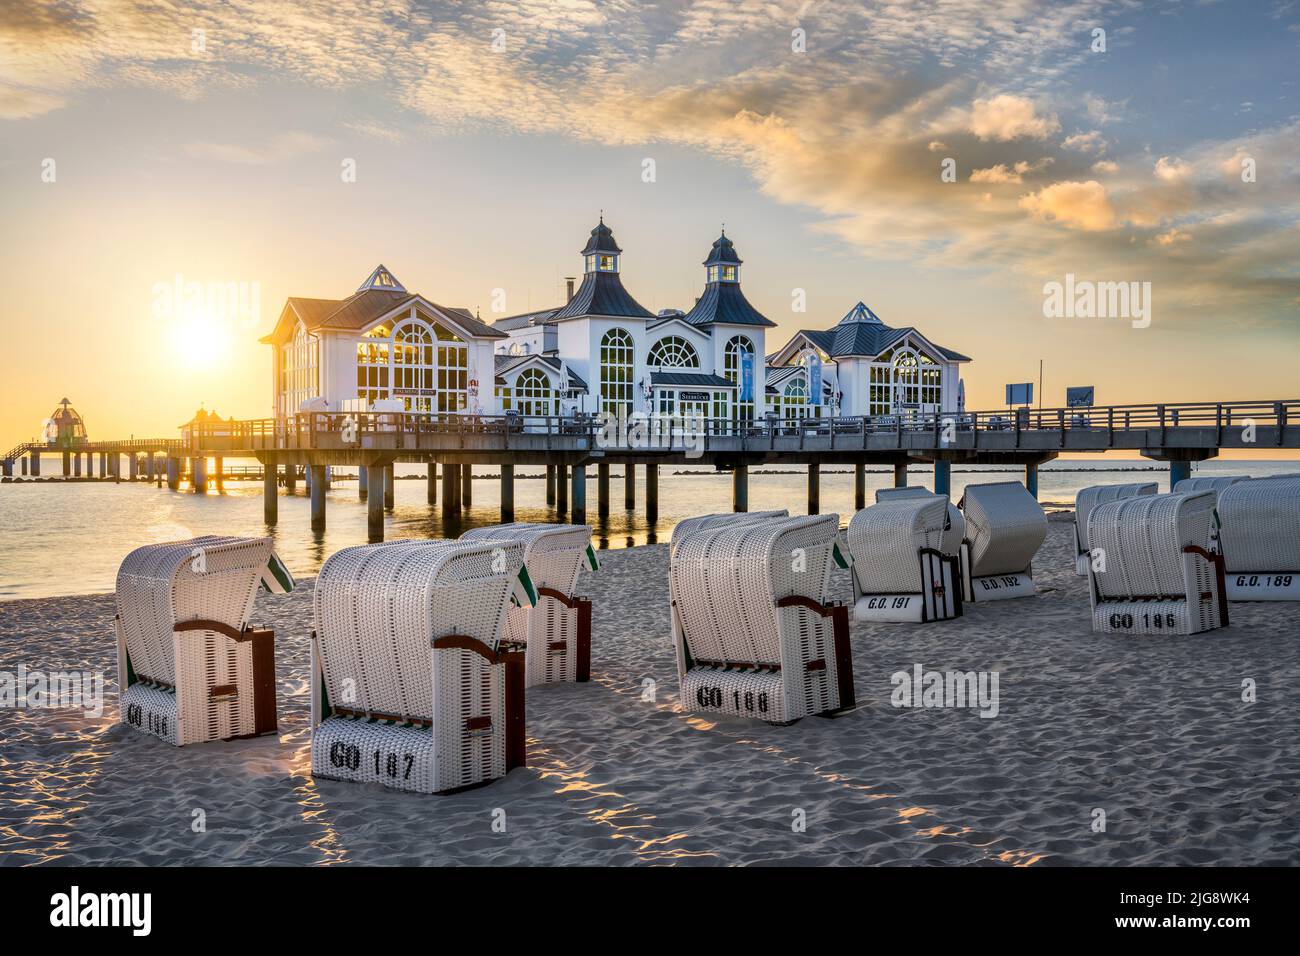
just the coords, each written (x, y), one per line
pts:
(189, 667)
(1089, 498)
(753, 627)
(1215, 483)
(1154, 574)
(556, 634)
(954, 531)
(410, 688)
(900, 570)
(1005, 527)
(1260, 538)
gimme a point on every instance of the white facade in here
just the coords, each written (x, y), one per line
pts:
(600, 352)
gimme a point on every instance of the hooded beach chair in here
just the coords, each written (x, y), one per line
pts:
(410, 687)
(1153, 573)
(1216, 484)
(954, 531)
(753, 627)
(1259, 536)
(189, 666)
(556, 633)
(900, 569)
(1005, 527)
(1091, 497)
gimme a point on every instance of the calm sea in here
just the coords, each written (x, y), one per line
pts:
(70, 538)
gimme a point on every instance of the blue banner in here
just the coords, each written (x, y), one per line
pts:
(814, 379)
(746, 376)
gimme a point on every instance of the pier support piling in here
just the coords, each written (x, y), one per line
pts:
(173, 473)
(1178, 470)
(450, 496)
(316, 478)
(467, 485)
(814, 489)
(629, 487)
(900, 474)
(375, 504)
(1031, 478)
(550, 485)
(740, 488)
(290, 477)
(270, 493)
(859, 485)
(36, 464)
(363, 483)
(942, 478)
(602, 489)
(133, 467)
(562, 488)
(652, 493)
(67, 464)
(390, 493)
(198, 474)
(431, 484)
(76, 466)
(221, 482)
(507, 492)
(579, 515)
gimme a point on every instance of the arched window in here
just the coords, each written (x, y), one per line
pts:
(425, 366)
(795, 399)
(737, 347)
(616, 361)
(413, 366)
(533, 394)
(673, 352)
(907, 377)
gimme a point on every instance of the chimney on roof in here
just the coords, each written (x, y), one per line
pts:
(568, 280)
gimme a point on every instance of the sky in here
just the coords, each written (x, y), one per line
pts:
(944, 161)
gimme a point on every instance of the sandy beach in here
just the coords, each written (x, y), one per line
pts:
(1153, 731)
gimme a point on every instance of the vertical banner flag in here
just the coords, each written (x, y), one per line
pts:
(814, 365)
(746, 376)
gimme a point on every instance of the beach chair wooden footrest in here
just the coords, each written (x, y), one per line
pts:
(737, 693)
(361, 751)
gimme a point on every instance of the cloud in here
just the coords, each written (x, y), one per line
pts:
(1105, 166)
(1006, 117)
(1077, 205)
(1001, 173)
(1090, 142)
(1172, 170)
(19, 103)
(284, 146)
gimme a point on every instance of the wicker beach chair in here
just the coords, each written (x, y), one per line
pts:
(189, 667)
(954, 531)
(410, 687)
(1005, 527)
(556, 634)
(1157, 576)
(1215, 483)
(900, 570)
(1089, 498)
(1260, 538)
(753, 627)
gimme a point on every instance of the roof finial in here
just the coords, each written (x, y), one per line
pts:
(602, 217)
(724, 228)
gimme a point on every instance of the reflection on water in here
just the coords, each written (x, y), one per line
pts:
(70, 539)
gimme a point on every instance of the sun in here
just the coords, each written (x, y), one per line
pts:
(199, 342)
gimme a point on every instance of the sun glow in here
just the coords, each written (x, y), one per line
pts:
(199, 342)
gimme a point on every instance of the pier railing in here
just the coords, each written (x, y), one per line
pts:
(1200, 424)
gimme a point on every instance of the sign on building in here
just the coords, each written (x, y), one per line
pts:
(1079, 397)
(1020, 394)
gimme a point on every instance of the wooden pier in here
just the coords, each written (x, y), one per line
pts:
(310, 443)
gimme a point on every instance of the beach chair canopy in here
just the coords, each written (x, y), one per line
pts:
(1260, 525)
(378, 608)
(554, 554)
(954, 531)
(1091, 497)
(1215, 483)
(884, 541)
(1142, 539)
(689, 526)
(1005, 526)
(209, 578)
